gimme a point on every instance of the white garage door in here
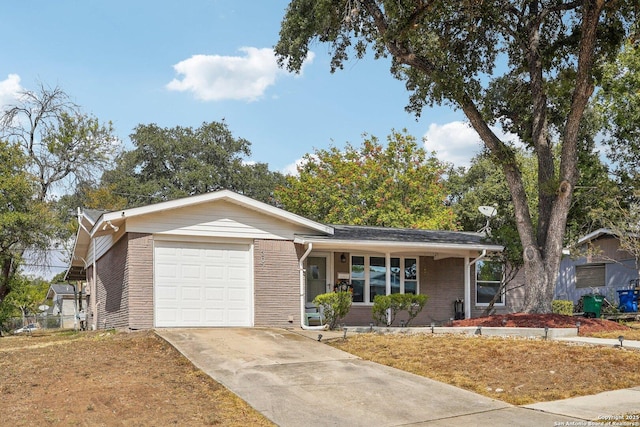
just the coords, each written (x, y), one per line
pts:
(202, 284)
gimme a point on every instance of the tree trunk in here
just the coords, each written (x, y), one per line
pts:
(5, 275)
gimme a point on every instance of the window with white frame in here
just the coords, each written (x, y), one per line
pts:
(489, 275)
(369, 276)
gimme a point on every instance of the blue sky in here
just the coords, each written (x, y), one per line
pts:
(183, 63)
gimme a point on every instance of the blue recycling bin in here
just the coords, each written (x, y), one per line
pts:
(628, 301)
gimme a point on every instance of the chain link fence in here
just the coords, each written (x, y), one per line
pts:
(42, 322)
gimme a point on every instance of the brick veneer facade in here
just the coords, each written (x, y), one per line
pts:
(125, 284)
(276, 283)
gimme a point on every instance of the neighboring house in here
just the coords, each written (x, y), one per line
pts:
(223, 259)
(602, 268)
(64, 301)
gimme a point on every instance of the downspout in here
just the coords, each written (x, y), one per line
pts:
(467, 282)
(303, 291)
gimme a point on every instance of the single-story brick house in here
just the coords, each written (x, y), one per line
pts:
(223, 259)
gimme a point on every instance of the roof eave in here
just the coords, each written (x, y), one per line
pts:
(120, 216)
(343, 243)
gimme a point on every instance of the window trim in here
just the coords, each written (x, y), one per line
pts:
(502, 301)
(367, 279)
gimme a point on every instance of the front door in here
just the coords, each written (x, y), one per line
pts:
(316, 276)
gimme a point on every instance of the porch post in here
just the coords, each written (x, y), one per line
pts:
(388, 273)
(467, 288)
(387, 280)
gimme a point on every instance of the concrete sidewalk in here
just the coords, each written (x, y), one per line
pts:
(295, 380)
(602, 406)
(605, 342)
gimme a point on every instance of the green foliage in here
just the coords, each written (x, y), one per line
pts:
(334, 306)
(379, 311)
(618, 108)
(562, 307)
(395, 303)
(24, 220)
(25, 296)
(169, 163)
(394, 186)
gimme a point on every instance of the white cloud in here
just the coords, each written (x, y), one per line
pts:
(9, 89)
(292, 169)
(457, 142)
(216, 77)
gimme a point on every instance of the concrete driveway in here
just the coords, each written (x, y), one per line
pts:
(294, 380)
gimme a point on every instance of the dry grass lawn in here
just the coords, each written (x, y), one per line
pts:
(103, 378)
(515, 370)
(106, 378)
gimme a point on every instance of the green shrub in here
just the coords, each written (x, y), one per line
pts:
(394, 303)
(334, 306)
(562, 307)
(382, 303)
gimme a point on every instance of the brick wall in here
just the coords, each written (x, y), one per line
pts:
(443, 281)
(139, 279)
(112, 294)
(276, 283)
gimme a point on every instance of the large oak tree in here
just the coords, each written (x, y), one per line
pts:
(528, 65)
(168, 163)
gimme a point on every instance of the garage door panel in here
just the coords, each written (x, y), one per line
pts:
(165, 293)
(236, 294)
(236, 273)
(214, 272)
(236, 317)
(168, 271)
(170, 315)
(214, 294)
(200, 284)
(190, 314)
(191, 293)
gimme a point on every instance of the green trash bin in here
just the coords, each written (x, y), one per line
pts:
(591, 305)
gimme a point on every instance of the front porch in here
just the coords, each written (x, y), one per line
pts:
(379, 261)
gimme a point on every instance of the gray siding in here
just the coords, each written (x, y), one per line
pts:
(620, 269)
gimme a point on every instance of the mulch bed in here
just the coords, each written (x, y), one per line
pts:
(522, 320)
